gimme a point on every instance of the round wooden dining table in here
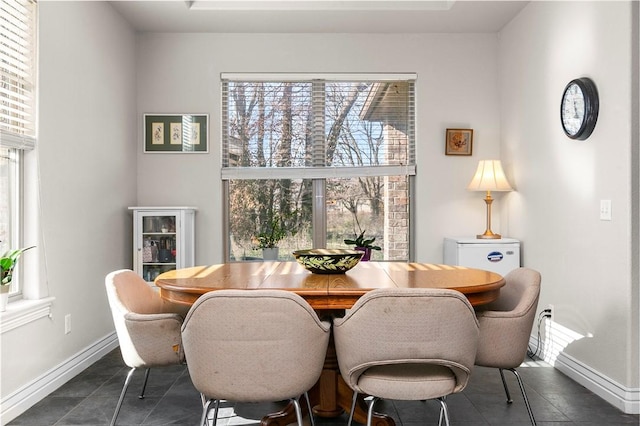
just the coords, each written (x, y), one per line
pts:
(329, 295)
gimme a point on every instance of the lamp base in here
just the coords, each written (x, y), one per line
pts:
(488, 235)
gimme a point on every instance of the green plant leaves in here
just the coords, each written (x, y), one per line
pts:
(8, 261)
(363, 242)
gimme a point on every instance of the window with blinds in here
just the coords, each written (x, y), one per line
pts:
(17, 73)
(17, 117)
(317, 123)
(326, 156)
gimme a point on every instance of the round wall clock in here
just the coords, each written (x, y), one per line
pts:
(579, 108)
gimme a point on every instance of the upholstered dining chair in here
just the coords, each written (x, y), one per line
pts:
(148, 328)
(253, 346)
(505, 327)
(407, 344)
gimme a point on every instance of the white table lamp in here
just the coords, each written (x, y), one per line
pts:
(489, 177)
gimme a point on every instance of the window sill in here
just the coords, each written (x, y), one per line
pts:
(22, 312)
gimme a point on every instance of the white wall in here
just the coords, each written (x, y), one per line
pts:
(585, 262)
(457, 87)
(86, 145)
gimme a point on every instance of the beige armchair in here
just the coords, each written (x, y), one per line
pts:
(253, 346)
(407, 344)
(148, 328)
(505, 327)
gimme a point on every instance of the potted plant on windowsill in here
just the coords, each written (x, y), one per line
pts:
(8, 262)
(268, 239)
(363, 244)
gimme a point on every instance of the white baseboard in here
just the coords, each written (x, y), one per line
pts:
(26, 397)
(621, 397)
(552, 351)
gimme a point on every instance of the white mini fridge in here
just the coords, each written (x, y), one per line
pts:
(500, 255)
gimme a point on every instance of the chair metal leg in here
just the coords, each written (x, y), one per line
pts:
(205, 412)
(353, 407)
(506, 388)
(215, 413)
(370, 411)
(144, 385)
(296, 405)
(124, 391)
(306, 397)
(444, 412)
(524, 395)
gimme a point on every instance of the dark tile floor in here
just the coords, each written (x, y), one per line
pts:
(90, 398)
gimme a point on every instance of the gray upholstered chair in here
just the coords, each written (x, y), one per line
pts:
(253, 346)
(148, 327)
(505, 327)
(407, 344)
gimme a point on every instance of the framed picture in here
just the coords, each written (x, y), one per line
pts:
(184, 133)
(459, 142)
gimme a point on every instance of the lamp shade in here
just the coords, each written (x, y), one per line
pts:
(489, 177)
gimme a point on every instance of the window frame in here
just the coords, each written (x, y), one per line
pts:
(16, 208)
(317, 174)
(18, 121)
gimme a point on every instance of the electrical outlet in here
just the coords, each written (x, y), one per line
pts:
(67, 324)
(605, 209)
(551, 313)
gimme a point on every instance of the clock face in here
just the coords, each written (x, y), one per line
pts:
(579, 108)
(573, 109)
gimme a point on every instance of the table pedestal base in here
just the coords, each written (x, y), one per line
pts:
(330, 397)
(343, 404)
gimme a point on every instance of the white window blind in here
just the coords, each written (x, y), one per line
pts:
(17, 73)
(278, 126)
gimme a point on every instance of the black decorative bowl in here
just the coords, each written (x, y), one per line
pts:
(328, 261)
